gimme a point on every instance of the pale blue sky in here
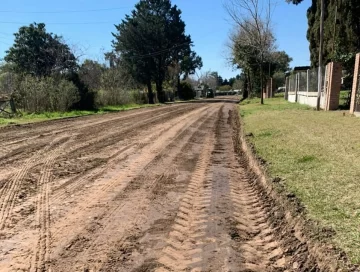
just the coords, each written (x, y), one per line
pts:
(206, 22)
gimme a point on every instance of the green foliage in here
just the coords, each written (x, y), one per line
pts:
(295, 2)
(341, 37)
(116, 88)
(150, 40)
(45, 94)
(186, 91)
(279, 79)
(39, 53)
(225, 88)
(87, 97)
(90, 73)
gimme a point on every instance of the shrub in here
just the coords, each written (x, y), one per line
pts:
(186, 91)
(45, 94)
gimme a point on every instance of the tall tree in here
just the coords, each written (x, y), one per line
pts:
(253, 40)
(150, 40)
(90, 73)
(39, 53)
(341, 30)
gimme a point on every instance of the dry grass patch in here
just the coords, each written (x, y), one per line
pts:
(317, 155)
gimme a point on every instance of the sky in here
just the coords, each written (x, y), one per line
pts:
(87, 25)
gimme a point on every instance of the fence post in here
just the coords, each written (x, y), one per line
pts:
(307, 82)
(296, 87)
(355, 86)
(286, 88)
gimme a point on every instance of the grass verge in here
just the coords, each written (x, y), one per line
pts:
(317, 155)
(38, 117)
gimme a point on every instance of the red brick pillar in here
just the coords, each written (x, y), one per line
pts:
(356, 82)
(334, 74)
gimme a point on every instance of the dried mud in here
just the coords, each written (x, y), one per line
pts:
(161, 189)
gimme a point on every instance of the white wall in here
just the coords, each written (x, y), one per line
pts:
(291, 97)
(307, 98)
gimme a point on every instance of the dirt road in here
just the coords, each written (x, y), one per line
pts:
(158, 189)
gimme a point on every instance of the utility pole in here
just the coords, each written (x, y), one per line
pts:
(320, 54)
(334, 35)
(262, 80)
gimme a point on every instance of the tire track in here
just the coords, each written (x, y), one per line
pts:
(13, 135)
(80, 132)
(9, 192)
(183, 251)
(41, 255)
(260, 250)
(135, 192)
(61, 193)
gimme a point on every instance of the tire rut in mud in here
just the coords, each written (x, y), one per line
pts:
(143, 188)
(139, 195)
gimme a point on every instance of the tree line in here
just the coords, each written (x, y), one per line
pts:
(150, 52)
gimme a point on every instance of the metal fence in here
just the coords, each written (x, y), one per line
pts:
(305, 81)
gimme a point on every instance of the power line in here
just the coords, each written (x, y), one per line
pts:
(62, 11)
(5, 43)
(58, 23)
(6, 34)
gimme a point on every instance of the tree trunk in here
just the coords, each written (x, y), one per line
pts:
(12, 105)
(178, 88)
(249, 84)
(150, 93)
(262, 80)
(160, 92)
(246, 86)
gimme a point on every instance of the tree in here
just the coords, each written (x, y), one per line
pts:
(150, 40)
(253, 40)
(225, 88)
(210, 79)
(187, 90)
(341, 36)
(90, 73)
(295, 2)
(341, 31)
(279, 61)
(225, 82)
(185, 64)
(232, 81)
(39, 53)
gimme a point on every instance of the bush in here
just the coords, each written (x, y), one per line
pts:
(186, 91)
(45, 94)
(116, 89)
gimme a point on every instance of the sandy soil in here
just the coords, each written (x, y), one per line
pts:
(157, 189)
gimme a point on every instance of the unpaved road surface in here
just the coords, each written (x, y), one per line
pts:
(157, 189)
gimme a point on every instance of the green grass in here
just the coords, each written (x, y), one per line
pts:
(38, 117)
(343, 99)
(318, 156)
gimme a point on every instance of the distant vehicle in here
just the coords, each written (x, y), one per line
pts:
(210, 93)
(280, 89)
